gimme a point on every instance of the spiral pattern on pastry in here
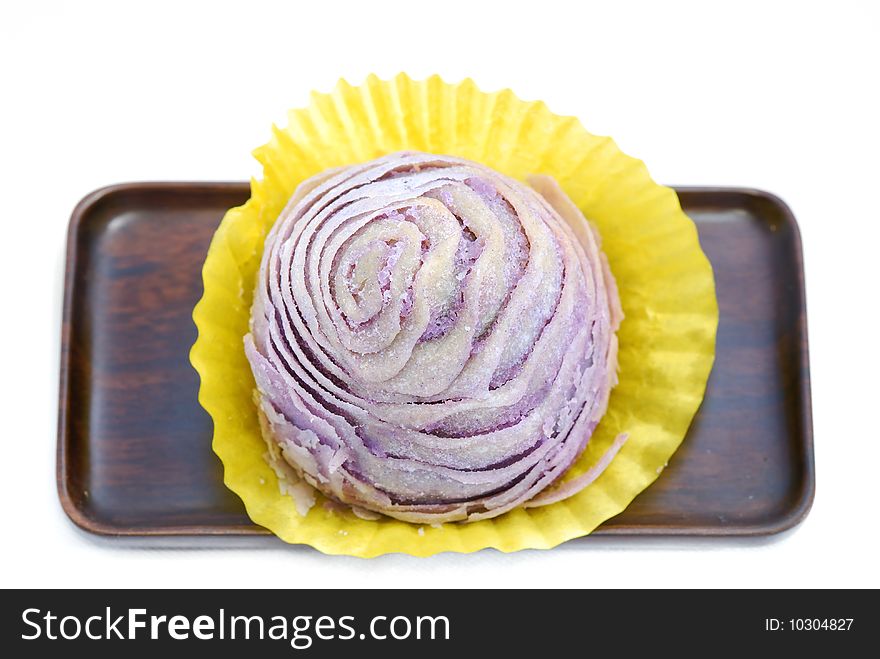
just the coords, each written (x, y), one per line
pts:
(432, 340)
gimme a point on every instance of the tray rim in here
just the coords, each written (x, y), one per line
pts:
(793, 516)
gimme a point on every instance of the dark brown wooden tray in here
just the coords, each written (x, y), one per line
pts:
(134, 446)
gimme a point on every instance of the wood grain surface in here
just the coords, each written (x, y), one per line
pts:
(134, 445)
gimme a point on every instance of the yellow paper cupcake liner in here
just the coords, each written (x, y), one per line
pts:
(667, 341)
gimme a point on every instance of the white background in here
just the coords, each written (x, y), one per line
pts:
(772, 95)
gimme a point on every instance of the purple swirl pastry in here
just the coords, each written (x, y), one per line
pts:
(432, 340)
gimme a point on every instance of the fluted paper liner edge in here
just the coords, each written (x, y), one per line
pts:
(667, 290)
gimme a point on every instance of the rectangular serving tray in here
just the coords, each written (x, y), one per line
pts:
(134, 445)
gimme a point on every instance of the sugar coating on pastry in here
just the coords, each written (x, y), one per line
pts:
(432, 340)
